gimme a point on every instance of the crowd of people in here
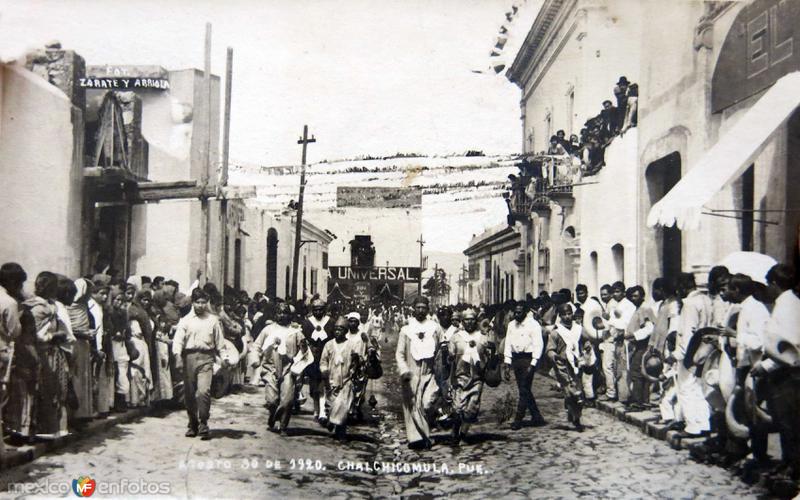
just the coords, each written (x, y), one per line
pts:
(77, 350)
(721, 362)
(569, 159)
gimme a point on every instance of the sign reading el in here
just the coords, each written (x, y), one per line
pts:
(758, 49)
(353, 274)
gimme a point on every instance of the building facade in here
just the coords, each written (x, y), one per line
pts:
(496, 272)
(41, 164)
(577, 228)
(718, 161)
(699, 83)
(266, 249)
(102, 179)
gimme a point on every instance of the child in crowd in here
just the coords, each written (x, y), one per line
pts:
(140, 374)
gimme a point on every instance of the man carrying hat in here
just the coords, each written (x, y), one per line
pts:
(317, 330)
(281, 347)
(470, 353)
(416, 349)
(695, 315)
(637, 334)
(781, 366)
(360, 346)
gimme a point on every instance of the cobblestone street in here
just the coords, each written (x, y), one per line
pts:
(609, 460)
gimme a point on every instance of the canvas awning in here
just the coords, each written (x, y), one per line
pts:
(729, 157)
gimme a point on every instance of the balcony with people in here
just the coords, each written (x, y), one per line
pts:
(598, 132)
(542, 179)
(551, 175)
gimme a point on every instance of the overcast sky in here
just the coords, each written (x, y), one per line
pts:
(367, 76)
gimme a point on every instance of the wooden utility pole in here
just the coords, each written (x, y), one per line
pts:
(206, 155)
(223, 180)
(462, 284)
(436, 288)
(305, 141)
(449, 287)
(419, 285)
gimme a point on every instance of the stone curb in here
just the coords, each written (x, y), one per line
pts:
(646, 422)
(16, 456)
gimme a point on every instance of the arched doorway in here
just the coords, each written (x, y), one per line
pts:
(661, 176)
(272, 262)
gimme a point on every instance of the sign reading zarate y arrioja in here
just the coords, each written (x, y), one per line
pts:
(124, 83)
(378, 273)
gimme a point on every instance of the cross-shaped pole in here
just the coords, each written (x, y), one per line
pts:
(305, 141)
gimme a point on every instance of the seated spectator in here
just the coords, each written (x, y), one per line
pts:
(609, 118)
(556, 148)
(593, 156)
(575, 145)
(562, 139)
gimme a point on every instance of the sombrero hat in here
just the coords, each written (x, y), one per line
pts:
(743, 410)
(695, 343)
(652, 366)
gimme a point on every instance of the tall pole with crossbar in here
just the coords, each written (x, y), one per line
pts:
(305, 141)
(419, 284)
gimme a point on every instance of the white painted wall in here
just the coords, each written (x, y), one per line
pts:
(676, 103)
(594, 47)
(37, 165)
(257, 224)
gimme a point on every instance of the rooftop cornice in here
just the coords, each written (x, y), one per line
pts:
(323, 237)
(502, 236)
(530, 47)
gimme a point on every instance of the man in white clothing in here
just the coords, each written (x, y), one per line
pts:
(417, 345)
(782, 366)
(695, 314)
(747, 340)
(606, 343)
(523, 348)
(618, 321)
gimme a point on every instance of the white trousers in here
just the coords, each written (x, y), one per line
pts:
(607, 360)
(669, 404)
(696, 413)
